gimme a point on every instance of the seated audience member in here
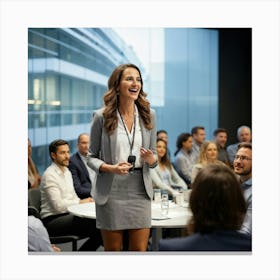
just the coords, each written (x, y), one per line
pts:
(164, 176)
(243, 168)
(38, 237)
(218, 208)
(243, 135)
(34, 177)
(57, 193)
(198, 136)
(162, 134)
(208, 154)
(220, 138)
(83, 176)
(184, 157)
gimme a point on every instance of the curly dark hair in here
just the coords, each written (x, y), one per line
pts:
(216, 200)
(180, 140)
(111, 100)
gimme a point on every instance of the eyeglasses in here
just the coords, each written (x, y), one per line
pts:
(242, 158)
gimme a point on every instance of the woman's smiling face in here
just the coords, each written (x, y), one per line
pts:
(130, 84)
(211, 152)
(161, 148)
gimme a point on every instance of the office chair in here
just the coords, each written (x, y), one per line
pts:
(34, 207)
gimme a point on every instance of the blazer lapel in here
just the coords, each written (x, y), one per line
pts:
(145, 135)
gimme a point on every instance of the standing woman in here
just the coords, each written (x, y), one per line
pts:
(122, 149)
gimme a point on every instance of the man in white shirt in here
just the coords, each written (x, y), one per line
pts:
(58, 193)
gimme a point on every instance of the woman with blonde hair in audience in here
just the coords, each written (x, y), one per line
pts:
(164, 176)
(208, 154)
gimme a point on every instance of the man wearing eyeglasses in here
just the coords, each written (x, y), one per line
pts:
(243, 167)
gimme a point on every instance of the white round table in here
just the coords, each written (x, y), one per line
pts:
(177, 217)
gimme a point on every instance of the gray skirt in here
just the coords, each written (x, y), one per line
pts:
(128, 205)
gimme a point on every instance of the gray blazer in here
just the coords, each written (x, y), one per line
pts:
(102, 150)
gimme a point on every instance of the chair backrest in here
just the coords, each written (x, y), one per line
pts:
(32, 211)
(34, 198)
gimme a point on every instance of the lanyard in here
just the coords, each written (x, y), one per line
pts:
(134, 124)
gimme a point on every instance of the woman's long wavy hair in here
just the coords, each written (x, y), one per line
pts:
(111, 100)
(216, 200)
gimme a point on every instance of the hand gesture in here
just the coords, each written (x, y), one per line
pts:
(147, 156)
(122, 168)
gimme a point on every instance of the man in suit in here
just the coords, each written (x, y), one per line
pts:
(83, 176)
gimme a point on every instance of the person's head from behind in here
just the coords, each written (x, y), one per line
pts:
(220, 136)
(161, 147)
(242, 163)
(198, 134)
(162, 134)
(216, 200)
(208, 152)
(59, 152)
(244, 134)
(83, 143)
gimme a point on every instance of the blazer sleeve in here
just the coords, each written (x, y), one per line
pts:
(95, 152)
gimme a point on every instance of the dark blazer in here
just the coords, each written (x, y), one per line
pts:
(81, 179)
(103, 148)
(222, 240)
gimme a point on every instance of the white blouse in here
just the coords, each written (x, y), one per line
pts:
(123, 145)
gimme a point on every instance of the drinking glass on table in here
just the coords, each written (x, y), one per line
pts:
(157, 195)
(164, 204)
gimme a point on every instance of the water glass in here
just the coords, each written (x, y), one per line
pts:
(157, 195)
(164, 204)
(187, 194)
(179, 199)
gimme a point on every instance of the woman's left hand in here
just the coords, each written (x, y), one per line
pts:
(147, 156)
